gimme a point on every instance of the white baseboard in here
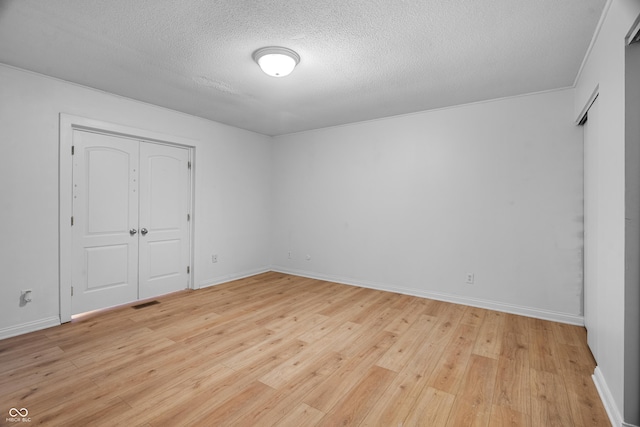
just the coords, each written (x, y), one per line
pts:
(607, 399)
(230, 277)
(440, 296)
(25, 328)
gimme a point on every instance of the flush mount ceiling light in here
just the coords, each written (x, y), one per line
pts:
(276, 61)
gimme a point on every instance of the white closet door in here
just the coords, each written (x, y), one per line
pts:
(591, 259)
(131, 227)
(164, 224)
(105, 208)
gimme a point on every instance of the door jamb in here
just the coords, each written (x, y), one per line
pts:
(69, 123)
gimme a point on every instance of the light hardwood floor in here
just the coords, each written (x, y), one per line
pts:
(283, 350)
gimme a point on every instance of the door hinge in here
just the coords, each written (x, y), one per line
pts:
(72, 291)
(188, 269)
(72, 221)
(188, 165)
(188, 217)
(73, 150)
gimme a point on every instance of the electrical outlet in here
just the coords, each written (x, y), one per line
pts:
(470, 278)
(289, 256)
(214, 258)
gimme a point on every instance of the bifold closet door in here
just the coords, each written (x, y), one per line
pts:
(131, 224)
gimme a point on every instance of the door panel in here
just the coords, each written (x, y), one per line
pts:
(107, 266)
(164, 205)
(107, 189)
(105, 207)
(164, 262)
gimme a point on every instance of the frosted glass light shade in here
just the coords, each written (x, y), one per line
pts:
(276, 61)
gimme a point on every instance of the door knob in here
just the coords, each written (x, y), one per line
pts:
(133, 231)
(143, 231)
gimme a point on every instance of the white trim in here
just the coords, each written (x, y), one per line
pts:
(32, 326)
(192, 212)
(230, 277)
(635, 29)
(588, 104)
(65, 183)
(607, 399)
(596, 33)
(69, 123)
(440, 296)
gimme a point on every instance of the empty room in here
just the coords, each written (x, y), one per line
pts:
(320, 213)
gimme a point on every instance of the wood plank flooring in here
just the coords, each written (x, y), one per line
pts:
(280, 350)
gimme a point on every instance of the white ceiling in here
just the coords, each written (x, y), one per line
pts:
(360, 59)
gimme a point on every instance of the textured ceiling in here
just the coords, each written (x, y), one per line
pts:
(360, 60)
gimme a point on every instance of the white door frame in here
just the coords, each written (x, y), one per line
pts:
(69, 123)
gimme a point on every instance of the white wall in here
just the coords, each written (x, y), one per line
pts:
(412, 203)
(604, 69)
(232, 190)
